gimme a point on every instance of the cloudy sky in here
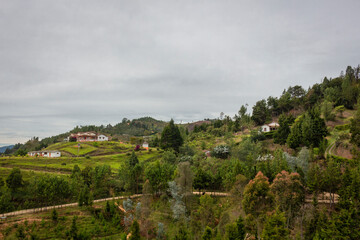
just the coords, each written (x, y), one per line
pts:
(67, 63)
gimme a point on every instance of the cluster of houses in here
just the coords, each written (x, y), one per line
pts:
(79, 137)
(88, 137)
(95, 137)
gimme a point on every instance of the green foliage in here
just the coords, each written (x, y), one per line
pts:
(85, 197)
(158, 175)
(202, 180)
(289, 193)
(326, 110)
(169, 157)
(73, 232)
(257, 196)
(171, 137)
(260, 112)
(14, 180)
(343, 127)
(275, 227)
(308, 130)
(355, 128)
(135, 231)
(207, 235)
(283, 132)
(236, 231)
(54, 215)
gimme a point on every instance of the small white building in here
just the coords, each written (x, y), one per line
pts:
(48, 153)
(270, 127)
(102, 137)
(145, 145)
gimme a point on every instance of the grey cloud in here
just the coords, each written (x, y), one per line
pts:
(67, 63)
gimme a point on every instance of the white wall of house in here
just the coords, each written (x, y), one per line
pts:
(102, 138)
(265, 128)
(50, 154)
(145, 145)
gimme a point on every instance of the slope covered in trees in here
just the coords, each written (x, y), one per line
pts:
(286, 184)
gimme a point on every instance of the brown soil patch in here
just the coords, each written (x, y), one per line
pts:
(343, 152)
(191, 126)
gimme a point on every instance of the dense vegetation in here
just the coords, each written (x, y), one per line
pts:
(292, 183)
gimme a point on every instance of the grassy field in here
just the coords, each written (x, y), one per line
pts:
(26, 174)
(66, 164)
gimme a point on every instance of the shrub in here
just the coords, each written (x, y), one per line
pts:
(342, 127)
(221, 151)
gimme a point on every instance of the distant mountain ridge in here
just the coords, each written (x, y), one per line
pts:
(3, 149)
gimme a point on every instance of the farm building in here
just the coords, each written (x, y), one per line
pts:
(102, 137)
(88, 137)
(49, 153)
(270, 127)
(145, 145)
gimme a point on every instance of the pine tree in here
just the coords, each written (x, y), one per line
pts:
(207, 235)
(135, 231)
(275, 227)
(171, 137)
(283, 132)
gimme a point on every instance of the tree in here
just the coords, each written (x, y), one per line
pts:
(54, 215)
(73, 233)
(202, 180)
(260, 112)
(289, 193)
(283, 132)
(206, 210)
(135, 231)
(355, 127)
(177, 205)
(171, 137)
(185, 179)
(275, 227)
(326, 110)
(85, 197)
(14, 180)
(130, 173)
(133, 160)
(236, 231)
(159, 174)
(340, 109)
(207, 235)
(257, 198)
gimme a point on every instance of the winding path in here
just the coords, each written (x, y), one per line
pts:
(42, 209)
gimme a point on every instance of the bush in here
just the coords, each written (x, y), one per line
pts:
(342, 127)
(221, 151)
(269, 135)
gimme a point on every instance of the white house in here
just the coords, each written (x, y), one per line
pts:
(270, 127)
(102, 137)
(145, 145)
(46, 153)
(88, 137)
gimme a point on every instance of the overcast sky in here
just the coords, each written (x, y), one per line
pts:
(67, 63)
